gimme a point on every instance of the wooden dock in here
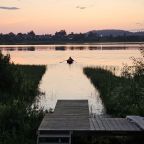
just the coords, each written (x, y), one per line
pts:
(71, 117)
(68, 115)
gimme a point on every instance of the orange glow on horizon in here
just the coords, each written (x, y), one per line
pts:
(48, 16)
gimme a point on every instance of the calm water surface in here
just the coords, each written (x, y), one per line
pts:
(63, 81)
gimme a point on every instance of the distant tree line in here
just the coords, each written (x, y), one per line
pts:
(62, 37)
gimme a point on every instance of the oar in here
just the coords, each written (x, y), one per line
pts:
(63, 61)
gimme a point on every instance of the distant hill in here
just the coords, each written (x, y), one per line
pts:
(114, 32)
(139, 33)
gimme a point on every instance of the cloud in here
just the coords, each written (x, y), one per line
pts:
(81, 7)
(8, 8)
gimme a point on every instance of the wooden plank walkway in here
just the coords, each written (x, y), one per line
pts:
(112, 124)
(72, 107)
(139, 121)
(72, 117)
(68, 115)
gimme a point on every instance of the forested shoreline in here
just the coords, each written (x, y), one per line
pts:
(61, 37)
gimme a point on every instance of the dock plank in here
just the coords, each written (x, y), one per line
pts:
(139, 121)
(73, 115)
(110, 124)
(68, 115)
(115, 125)
(96, 125)
(92, 126)
(98, 119)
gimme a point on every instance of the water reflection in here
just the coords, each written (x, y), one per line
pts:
(72, 47)
(63, 81)
(68, 82)
(61, 48)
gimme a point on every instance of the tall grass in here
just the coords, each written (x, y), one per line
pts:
(122, 95)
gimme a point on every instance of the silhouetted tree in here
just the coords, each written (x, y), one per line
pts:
(31, 33)
(61, 36)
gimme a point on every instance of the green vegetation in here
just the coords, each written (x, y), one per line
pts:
(18, 90)
(122, 95)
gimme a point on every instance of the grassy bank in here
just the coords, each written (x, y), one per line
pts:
(18, 90)
(123, 95)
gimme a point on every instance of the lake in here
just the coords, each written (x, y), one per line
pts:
(63, 81)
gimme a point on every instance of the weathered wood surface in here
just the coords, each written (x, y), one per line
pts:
(56, 135)
(68, 115)
(72, 107)
(73, 115)
(112, 124)
(139, 121)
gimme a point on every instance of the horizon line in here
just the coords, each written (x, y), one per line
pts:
(131, 30)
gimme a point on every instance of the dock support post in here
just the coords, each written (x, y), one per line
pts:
(70, 137)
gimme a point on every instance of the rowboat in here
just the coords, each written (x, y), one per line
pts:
(70, 60)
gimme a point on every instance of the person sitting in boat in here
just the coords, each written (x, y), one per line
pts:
(70, 60)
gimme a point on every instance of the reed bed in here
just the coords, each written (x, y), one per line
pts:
(122, 95)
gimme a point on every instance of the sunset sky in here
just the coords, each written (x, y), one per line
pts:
(48, 16)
